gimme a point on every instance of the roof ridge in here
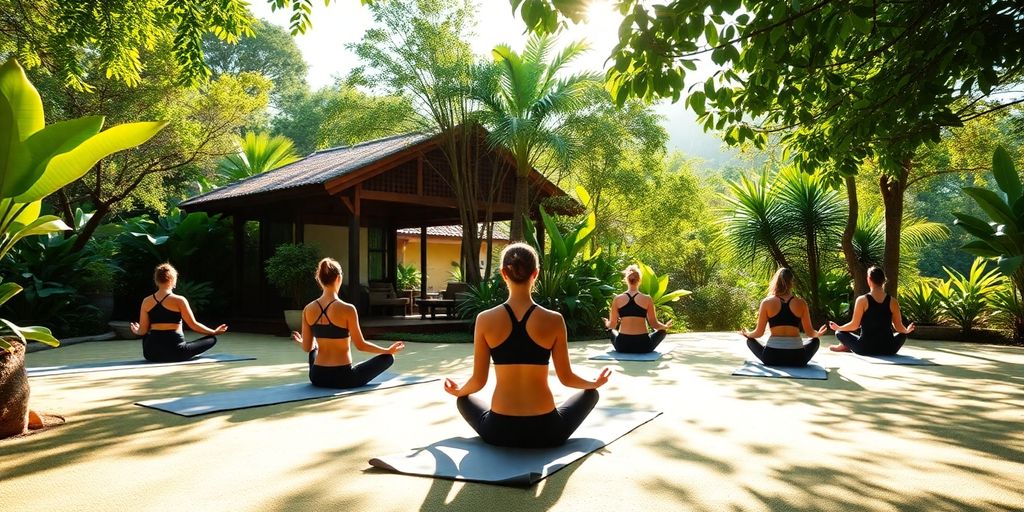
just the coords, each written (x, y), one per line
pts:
(367, 142)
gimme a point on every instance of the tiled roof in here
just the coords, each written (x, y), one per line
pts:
(316, 169)
(501, 230)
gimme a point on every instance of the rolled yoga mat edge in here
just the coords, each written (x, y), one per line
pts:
(209, 403)
(513, 467)
(813, 371)
(104, 366)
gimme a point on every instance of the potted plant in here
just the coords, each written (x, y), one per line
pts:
(39, 160)
(290, 270)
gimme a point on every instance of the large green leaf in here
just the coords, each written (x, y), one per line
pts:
(1006, 175)
(13, 328)
(68, 167)
(40, 334)
(1009, 266)
(558, 248)
(13, 217)
(44, 145)
(21, 115)
(993, 205)
(41, 226)
(8, 290)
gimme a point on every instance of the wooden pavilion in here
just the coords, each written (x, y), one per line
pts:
(350, 202)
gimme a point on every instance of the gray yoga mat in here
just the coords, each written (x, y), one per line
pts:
(471, 459)
(756, 369)
(898, 359)
(196, 405)
(103, 366)
(613, 355)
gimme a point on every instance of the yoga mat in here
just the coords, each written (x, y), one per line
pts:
(756, 369)
(44, 371)
(470, 459)
(613, 355)
(899, 359)
(196, 405)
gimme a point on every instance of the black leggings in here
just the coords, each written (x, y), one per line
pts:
(348, 376)
(636, 343)
(784, 356)
(171, 347)
(872, 345)
(543, 431)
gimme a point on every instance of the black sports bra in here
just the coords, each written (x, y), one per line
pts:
(631, 308)
(328, 330)
(519, 348)
(160, 315)
(785, 316)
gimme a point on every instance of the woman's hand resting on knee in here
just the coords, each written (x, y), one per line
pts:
(602, 378)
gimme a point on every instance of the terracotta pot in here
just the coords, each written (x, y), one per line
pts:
(14, 390)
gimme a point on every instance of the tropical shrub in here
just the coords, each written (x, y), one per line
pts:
(37, 160)
(657, 287)
(1002, 236)
(257, 153)
(408, 277)
(486, 295)
(836, 295)
(290, 270)
(964, 298)
(720, 305)
(1008, 310)
(921, 303)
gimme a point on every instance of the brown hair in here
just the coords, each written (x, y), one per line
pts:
(164, 273)
(519, 261)
(876, 275)
(781, 283)
(327, 271)
(632, 274)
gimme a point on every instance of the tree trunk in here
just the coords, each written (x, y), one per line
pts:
(813, 269)
(470, 255)
(893, 188)
(521, 208)
(102, 209)
(14, 390)
(858, 273)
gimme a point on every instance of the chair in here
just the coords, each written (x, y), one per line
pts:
(453, 294)
(383, 295)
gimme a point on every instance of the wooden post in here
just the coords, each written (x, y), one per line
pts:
(540, 232)
(354, 251)
(238, 226)
(423, 262)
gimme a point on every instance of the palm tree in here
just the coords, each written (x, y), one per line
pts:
(524, 105)
(258, 153)
(869, 239)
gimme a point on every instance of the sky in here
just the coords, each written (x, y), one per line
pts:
(345, 21)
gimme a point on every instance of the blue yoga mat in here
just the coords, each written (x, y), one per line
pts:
(756, 369)
(613, 355)
(103, 366)
(898, 359)
(471, 459)
(196, 405)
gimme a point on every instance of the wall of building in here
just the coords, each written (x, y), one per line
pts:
(441, 252)
(333, 243)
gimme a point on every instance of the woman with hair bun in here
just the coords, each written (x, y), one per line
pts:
(631, 312)
(520, 338)
(784, 314)
(160, 322)
(328, 323)
(875, 314)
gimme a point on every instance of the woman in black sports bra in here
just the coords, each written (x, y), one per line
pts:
(521, 337)
(631, 312)
(327, 326)
(875, 314)
(160, 322)
(783, 314)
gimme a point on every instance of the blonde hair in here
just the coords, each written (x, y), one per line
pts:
(781, 283)
(327, 271)
(164, 273)
(632, 274)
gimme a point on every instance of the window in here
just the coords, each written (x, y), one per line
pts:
(378, 251)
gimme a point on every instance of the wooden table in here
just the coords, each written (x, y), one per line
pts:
(433, 304)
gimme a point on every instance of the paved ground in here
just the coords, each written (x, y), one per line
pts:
(871, 437)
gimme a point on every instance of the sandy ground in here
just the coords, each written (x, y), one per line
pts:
(871, 437)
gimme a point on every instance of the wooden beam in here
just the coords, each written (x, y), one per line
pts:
(440, 202)
(348, 204)
(419, 174)
(385, 164)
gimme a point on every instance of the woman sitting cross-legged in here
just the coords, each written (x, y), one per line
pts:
(521, 337)
(327, 326)
(783, 314)
(875, 314)
(632, 312)
(160, 323)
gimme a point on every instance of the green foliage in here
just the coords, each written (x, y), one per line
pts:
(921, 303)
(37, 160)
(290, 270)
(198, 293)
(964, 298)
(657, 287)
(408, 277)
(915, 236)
(835, 294)
(259, 153)
(481, 297)
(268, 50)
(725, 303)
(1008, 310)
(58, 34)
